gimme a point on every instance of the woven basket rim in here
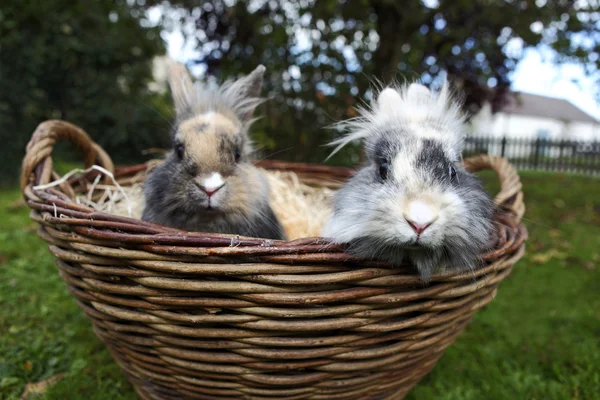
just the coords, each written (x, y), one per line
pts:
(37, 170)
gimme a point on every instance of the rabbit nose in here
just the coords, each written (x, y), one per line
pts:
(418, 228)
(420, 216)
(212, 184)
(210, 192)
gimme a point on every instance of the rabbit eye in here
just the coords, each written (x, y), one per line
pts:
(452, 173)
(237, 155)
(179, 151)
(384, 170)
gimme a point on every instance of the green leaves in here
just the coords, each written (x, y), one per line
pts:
(61, 59)
(9, 381)
(339, 47)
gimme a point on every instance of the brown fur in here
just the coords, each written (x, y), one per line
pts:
(212, 140)
(203, 134)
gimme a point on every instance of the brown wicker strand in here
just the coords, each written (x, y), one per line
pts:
(191, 315)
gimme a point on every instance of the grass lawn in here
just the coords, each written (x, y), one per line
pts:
(539, 339)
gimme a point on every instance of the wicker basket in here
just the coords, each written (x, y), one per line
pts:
(207, 316)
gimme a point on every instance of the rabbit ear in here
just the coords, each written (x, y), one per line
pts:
(418, 92)
(388, 100)
(249, 89)
(182, 88)
(254, 81)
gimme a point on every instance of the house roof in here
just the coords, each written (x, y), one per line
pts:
(546, 107)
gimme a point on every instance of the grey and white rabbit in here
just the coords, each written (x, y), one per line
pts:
(412, 200)
(207, 183)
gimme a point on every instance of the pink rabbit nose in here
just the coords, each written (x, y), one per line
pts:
(212, 184)
(211, 191)
(420, 215)
(418, 228)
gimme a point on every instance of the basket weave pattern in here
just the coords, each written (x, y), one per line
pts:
(209, 316)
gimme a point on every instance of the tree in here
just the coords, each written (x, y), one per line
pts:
(85, 62)
(321, 55)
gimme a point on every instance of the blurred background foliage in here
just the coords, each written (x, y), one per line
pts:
(89, 62)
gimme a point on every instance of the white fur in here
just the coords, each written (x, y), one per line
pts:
(384, 214)
(417, 92)
(373, 213)
(415, 109)
(388, 100)
(209, 116)
(389, 221)
(214, 182)
(411, 110)
(420, 213)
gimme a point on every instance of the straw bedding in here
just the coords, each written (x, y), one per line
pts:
(302, 209)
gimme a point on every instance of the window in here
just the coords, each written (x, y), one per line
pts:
(543, 134)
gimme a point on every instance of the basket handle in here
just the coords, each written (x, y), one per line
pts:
(510, 197)
(37, 163)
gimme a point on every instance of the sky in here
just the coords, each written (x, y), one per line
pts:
(535, 74)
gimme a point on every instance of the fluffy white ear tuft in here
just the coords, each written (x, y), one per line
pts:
(389, 100)
(413, 107)
(418, 92)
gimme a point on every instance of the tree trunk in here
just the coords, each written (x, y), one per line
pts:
(388, 55)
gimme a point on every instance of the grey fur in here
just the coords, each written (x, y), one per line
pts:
(173, 197)
(363, 190)
(172, 201)
(238, 97)
(366, 212)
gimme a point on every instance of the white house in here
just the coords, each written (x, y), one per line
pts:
(526, 117)
(531, 116)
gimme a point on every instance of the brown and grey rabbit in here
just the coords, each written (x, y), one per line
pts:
(207, 183)
(412, 200)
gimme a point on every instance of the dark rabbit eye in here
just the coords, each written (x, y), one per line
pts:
(179, 151)
(237, 155)
(452, 173)
(384, 170)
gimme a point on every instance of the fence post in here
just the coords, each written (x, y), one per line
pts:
(540, 154)
(593, 158)
(536, 155)
(561, 162)
(561, 146)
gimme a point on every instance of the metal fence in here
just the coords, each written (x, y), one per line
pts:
(540, 154)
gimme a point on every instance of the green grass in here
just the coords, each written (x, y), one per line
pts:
(539, 339)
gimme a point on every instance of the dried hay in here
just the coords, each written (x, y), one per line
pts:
(302, 209)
